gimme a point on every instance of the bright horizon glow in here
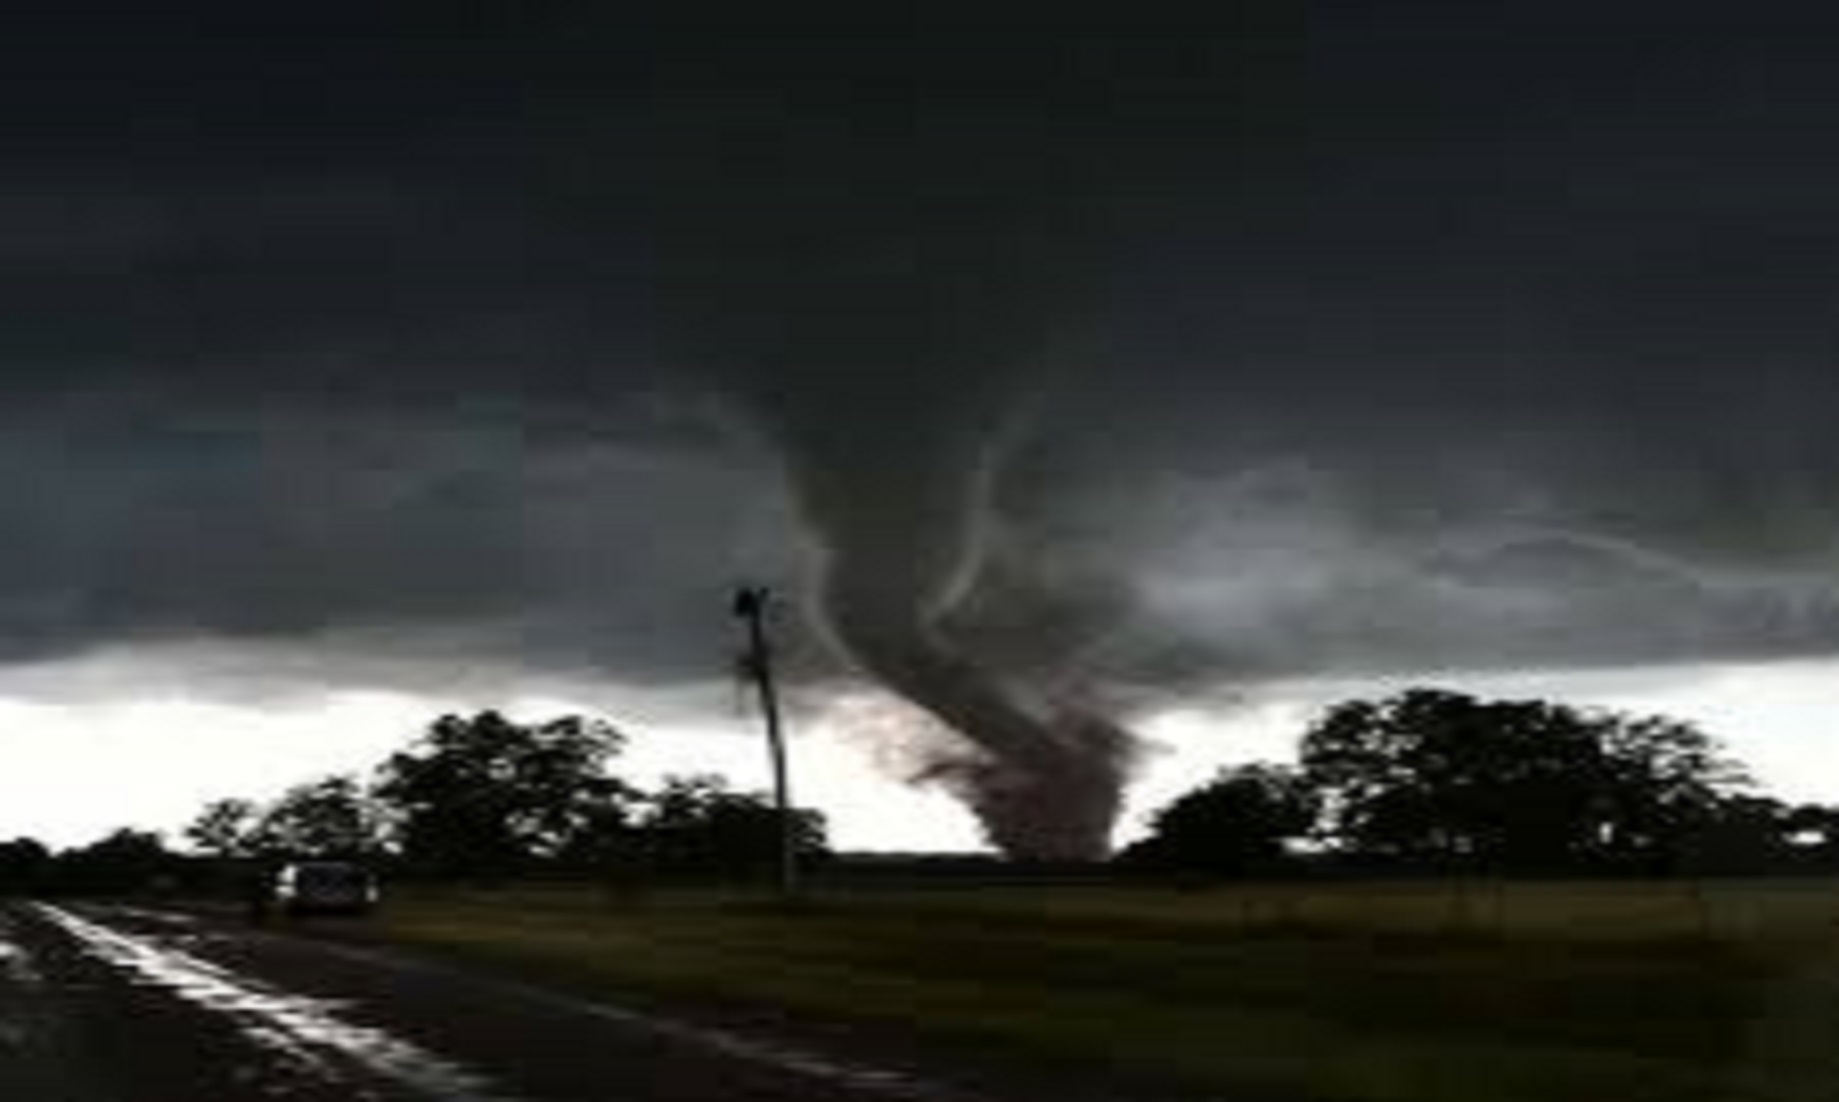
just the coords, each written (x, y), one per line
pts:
(72, 772)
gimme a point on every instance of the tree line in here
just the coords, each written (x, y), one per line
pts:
(473, 798)
(1430, 780)
(1427, 781)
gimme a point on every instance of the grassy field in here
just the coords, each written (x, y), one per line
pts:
(1409, 992)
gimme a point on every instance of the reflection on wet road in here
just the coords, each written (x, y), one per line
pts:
(306, 1031)
(121, 1004)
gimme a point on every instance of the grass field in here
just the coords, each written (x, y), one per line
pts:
(1409, 992)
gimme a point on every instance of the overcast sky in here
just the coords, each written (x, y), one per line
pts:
(1055, 371)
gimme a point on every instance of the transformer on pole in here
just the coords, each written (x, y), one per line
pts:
(751, 605)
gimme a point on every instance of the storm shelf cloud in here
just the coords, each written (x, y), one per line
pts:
(1052, 367)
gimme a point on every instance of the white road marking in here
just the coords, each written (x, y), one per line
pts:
(16, 963)
(304, 1029)
(163, 918)
(855, 1077)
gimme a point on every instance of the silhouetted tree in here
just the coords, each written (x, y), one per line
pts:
(329, 817)
(1737, 834)
(1669, 781)
(225, 828)
(486, 796)
(1237, 823)
(24, 866)
(1441, 778)
(696, 825)
(126, 861)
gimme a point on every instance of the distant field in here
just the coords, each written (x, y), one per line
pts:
(1470, 992)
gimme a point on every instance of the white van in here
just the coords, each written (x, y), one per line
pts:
(325, 887)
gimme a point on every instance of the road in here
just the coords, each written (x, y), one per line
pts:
(105, 1003)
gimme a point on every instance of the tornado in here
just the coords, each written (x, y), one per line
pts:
(902, 546)
(881, 251)
(887, 376)
(1049, 783)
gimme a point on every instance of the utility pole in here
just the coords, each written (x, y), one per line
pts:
(751, 605)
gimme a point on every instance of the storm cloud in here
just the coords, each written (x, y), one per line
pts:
(1054, 366)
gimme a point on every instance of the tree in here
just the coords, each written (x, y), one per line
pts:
(329, 817)
(1738, 834)
(125, 861)
(1239, 822)
(484, 795)
(1441, 778)
(695, 825)
(225, 828)
(24, 864)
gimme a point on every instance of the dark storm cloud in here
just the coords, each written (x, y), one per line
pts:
(1078, 356)
(132, 523)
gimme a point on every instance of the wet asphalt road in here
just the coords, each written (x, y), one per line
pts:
(106, 1003)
